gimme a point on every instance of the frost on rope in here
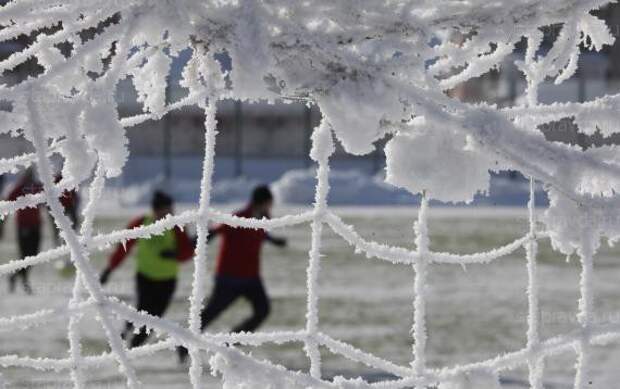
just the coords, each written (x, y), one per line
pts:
(375, 69)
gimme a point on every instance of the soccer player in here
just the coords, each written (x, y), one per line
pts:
(28, 226)
(158, 259)
(70, 200)
(237, 271)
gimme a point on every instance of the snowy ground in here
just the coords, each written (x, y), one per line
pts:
(474, 313)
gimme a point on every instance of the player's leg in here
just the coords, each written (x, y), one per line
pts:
(72, 213)
(139, 303)
(165, 292)
(29, 242)
(143, 297)
(225, 292)
(36, 245)
(22, 243)
(12, 279)
(254, 291)
(25, 276)
(155, 297)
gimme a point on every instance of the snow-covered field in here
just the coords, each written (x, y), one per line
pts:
(475, 313)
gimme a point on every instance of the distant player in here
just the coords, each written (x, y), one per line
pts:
(237, 272)
(158, 259)
(70, 200)
(28, 226)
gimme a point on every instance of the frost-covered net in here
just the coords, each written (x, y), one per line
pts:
(374, 68)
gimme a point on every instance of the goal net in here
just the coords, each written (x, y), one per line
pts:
(375, 69)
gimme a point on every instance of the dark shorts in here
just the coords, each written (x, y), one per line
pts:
(29, 240)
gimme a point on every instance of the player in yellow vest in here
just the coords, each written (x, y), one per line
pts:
(157, 263)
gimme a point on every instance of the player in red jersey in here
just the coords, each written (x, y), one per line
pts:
(28, 226)
(157, 263)
(70, 201)
(237, 271)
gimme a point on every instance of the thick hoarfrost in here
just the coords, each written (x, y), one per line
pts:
(368, 75)
(362, 106)
(105, 136)
(457, 174)
(150, 82)
(376, 69)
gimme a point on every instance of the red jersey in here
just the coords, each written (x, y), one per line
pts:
(239, 254)
(26, 217)
(69, 197)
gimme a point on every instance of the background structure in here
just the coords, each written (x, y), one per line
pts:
(262, 141)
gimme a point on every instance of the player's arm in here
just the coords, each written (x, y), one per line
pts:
(121, 252)
(213, 232)
(275, 240)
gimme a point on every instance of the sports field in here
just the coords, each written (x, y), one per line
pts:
(474, 313)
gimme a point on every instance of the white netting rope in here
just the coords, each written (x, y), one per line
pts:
(379, 65)
(313, 338)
